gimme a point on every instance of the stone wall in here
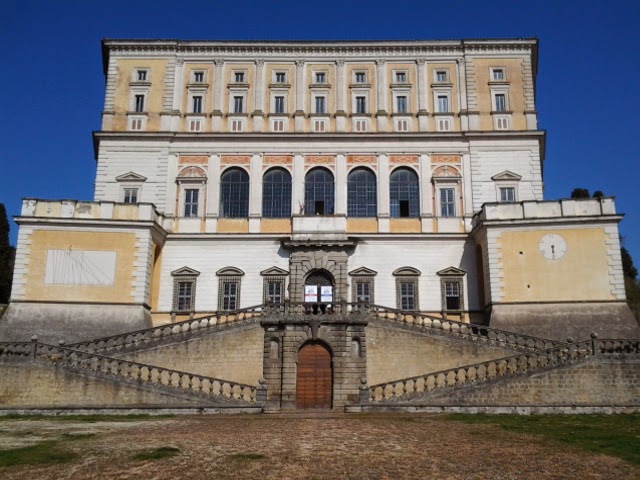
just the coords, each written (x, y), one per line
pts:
(30, 385)
(234, 354)
(596, 381)
(394, 353)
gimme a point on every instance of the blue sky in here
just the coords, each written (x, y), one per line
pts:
(52, 87)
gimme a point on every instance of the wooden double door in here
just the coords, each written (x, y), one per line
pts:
(314, 376)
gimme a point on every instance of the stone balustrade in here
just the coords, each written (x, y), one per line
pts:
(81, 210)
(410, 388)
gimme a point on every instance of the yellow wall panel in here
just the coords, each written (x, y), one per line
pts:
(275, 225)
(405, 225)
(362, 225)
(233, 225)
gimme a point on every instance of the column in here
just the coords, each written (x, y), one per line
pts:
(383, 193)
(423, 99)
(340, 97)
(258, 114)
(297, 186)
(341, 185)
(255, 193)
(381, 95)
(213, 194)
(426, 193)
(299, 100)
(218, 95)
(178, 93)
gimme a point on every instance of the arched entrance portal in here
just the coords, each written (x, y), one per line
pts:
(318, 290)
(314, 376)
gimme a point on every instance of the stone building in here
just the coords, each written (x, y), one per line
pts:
(406, 174)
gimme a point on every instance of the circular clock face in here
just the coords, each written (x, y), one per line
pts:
(552, 246)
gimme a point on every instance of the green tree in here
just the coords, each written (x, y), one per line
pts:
(7, 254)
(631, 283)
(598, 194)
(580, 193)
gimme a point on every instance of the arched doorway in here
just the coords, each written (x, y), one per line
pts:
(318, 290)
(314, 376)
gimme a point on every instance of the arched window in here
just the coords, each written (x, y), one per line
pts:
(276, 193)
(404, 193)
(361, 193)
(318, 192)
(234, 194)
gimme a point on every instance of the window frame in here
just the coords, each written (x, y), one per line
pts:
(407, 276)
(279, 104)
(280, 205)
(402, 104)
(360, 104)
(144, 72)
(127, 194)
(234, 191)
(228, 277)
(323, 191)
(441, 75)
(279, 77)
(184, 275)
(320, 104)
(320, 77)
(400, 77)
(448, 277)
(360, 76)
(363, 276)
(197, 104)
(359, 191)
(494, 73)
(404, 188)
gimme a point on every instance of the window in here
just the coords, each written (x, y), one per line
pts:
(197, 104)
(404, 193)
(318, 192)
(236, 125)
(191, 202)
(278, 125)
(274, 290)
(497, 74)
(319, 126)
(279, 104)
(276, 193)
(443, 103)
(130, 195)
(281, 77)
(239, 77)
(401, 77)
(363, 291)
(139, 103)
(238, 104)
(401, 104)
(184, 289)
(360, 125)
(362, 193)
(447, 202)
(234, 194)
(198, 77)
(320, 105)
(195, 125)
(320, 77)
(361, 104)
(407, 288)
(451, 287)
(141, 75)
(136, 124)
(441, 75)
(443, 124)
(507, 194)
(500, 102)
(362, 285)
(502, 123)
(229, 288)
(361, 77)
(402, 126)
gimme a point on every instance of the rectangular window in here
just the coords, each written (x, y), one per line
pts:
(444, 124)
(141, 75)
(363, 291)
(274, 289)
(402, 126)
(136, 124)
(185, 296)
(139, 103)
(280, 77)
(407, 295)
(130, 195)
(319, 126)
(198, 77)
(401, 104)
(236, 125)
(191, 202)
(278, 125)
(197, 104)
(441, 76)
(443, 103)
(361, 125)
(401, 77)
(238, 104)
(279, 104)
(497, 74)
(507, 194)
(361, 104)
(501, 102)
(452, 295)
(195, 125)
(320, 77)
(229, 295)
(320, 105)
(360, 77)
(239, 77)
(447, 202)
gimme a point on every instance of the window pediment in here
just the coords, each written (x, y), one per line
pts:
(131, 177)
(407, 272)
(451, 272)
(507, 175)
(185, 271)
(229, 271)
(363, 271)
(274, 271)
(446, 172)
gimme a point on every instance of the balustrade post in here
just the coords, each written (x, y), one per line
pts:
(364, 391)
(34, 347)
(261, 391)
(594, 344)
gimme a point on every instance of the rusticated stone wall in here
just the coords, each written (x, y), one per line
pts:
(394, 353)
(30, 384)
(234, 354)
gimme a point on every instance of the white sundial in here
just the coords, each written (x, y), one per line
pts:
(552, 246)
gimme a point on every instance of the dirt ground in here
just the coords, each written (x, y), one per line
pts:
(314, 446)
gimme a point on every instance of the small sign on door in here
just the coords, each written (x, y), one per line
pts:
(326, 294)
(311, 293)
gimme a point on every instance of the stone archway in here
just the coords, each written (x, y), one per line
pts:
(314, 376)
(305, 261)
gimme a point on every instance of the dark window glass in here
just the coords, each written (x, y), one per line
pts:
(130, 195)
(319, 104)
(230, 295)
(185, 295)
(318, 192)
(404, 193)
(139, 107)
(276, 194)
(142, 75)
(280, 77)
(197, 104)
(501, 102)
(447, 202)
(361, 104)
(234, 194)
(238, 106)
(361, 193)
(363, 292)
(279, 104)
(191, 202)
(452, 295)
(407, 296)
(274, 291)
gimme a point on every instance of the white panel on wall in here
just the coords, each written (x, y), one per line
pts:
(80, 267)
